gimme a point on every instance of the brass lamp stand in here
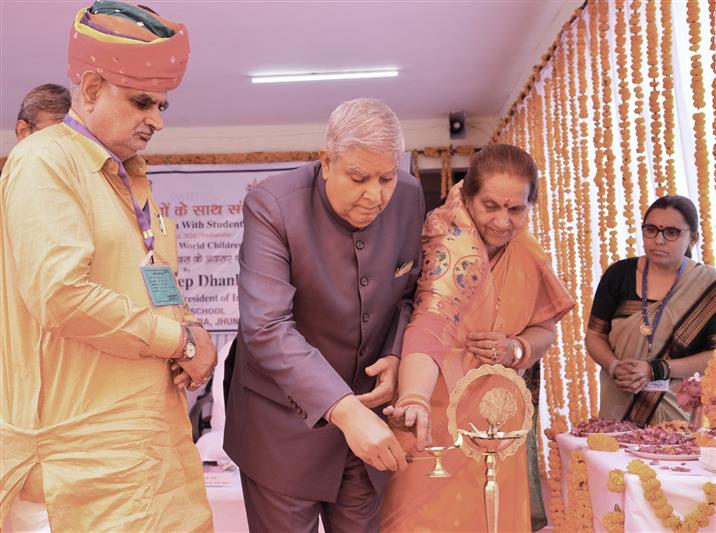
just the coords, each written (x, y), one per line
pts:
(496, 406)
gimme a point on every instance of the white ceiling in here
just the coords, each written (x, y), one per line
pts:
(471, 55)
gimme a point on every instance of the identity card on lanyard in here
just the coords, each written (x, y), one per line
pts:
(649, 329)
(160, 281)
(161, 285)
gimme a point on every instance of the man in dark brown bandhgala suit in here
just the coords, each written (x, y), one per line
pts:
(329, 261)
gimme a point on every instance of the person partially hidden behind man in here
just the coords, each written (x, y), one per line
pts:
(45, 105)
(93, 418)
(328, 265)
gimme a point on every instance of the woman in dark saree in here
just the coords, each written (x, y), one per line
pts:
(653, 319)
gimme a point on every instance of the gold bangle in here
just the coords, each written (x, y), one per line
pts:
(416, 399)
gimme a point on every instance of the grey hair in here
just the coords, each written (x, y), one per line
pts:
(50, 98)
(75, 89)
(366, 123)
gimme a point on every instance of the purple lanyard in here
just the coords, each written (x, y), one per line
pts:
(142, 214)
(662, 304)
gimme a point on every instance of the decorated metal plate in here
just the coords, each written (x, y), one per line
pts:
(493, 407)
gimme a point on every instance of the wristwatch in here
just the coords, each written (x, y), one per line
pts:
(189, 347)
(517, 351)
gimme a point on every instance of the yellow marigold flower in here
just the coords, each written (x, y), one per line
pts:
(640, 469)
(691, 522)
(660, 501)
(652, 484)
(645, 475)
(710, 490)
(602, 443)
(613, 521)
(615, 483)
(671, 522)
(635, 466)
(706, 509)
(664, 511)
(652, 495)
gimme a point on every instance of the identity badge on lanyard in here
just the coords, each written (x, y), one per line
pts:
(161, 285)
(648, 330)
(160, 281)
(659, 385)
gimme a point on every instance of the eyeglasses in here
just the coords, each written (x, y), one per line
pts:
(23, 116)
(33, 126)
(650, 231)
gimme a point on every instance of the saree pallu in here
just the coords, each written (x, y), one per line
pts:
(459, 293)
(690, 310)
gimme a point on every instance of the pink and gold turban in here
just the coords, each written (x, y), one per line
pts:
(129, 46)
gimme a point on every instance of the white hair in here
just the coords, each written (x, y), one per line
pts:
(75, 91)
(366, 123)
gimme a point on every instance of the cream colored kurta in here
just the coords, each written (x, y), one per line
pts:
(89, 417)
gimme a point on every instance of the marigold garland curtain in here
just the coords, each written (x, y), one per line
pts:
(620, 112)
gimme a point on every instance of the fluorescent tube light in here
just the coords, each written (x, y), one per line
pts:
(322, 76)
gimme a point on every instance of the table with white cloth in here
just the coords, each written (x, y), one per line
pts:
(227, 504)
(683, 490)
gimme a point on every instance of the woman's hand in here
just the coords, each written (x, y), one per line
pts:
(632, 375)
(414, 418)
(491, 348)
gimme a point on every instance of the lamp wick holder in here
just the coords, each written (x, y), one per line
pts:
(438, 452)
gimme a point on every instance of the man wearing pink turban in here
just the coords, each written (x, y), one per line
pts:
(97, 343)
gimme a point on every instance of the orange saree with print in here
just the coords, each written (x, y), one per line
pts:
(461, 292)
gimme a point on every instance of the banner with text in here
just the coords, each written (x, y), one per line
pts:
(206, 203)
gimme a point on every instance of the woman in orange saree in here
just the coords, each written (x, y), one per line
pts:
(487, 295)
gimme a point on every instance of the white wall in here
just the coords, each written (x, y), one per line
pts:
(279, 138)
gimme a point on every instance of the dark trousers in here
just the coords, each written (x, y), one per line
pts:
(356, 509)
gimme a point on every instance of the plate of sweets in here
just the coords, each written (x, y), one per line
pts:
(654, 436)
(688, 451)
(602, 426)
